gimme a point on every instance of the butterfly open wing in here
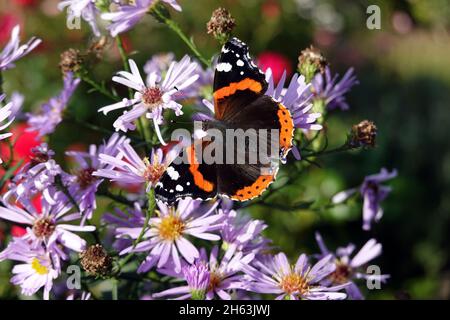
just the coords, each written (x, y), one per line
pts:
(239, 103)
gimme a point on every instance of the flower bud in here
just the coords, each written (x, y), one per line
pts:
(197, 276)
(95, 260)
(71, 61)
(363, 134)
(221, 25)
(310, 62)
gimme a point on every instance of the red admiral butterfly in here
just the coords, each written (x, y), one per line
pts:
(239, 103)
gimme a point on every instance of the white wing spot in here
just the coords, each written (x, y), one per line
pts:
(224, 66)
(240, 63)
(242, 73)
(188, 183)
(179, 188)
(237, 55)
(173, 174)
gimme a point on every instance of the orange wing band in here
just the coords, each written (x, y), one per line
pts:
(286, 127)
(199, 180)
(254, 190)
(246, 84)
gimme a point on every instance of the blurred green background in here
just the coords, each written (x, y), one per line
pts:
(404, 74)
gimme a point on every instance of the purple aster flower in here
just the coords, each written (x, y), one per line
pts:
(331, 92)
(85, 9)
(83, 295)
(16, 105)
(223, 277)
(347, 268)
(197, 277)
(52, 111)
(49, 227)
(274, 275)
(83, 184)
(14, 51)
(37, 176)
(296, 98)
(373, 193)
(127, 167)
(129, 218)
(36, 269)
(159, 63)
(5, 115)
(127, 16)
(241, 233)
(168, 234)
(152, 98)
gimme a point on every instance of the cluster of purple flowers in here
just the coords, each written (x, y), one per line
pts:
(212, 249)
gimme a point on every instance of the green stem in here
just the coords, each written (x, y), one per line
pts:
(1, 83)
(176, 28)
(343, 148)
(114, 290)
(148, 215)
(98, 87)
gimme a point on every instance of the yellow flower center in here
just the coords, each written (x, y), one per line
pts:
(38, 267)
(294, 283)
(171, 227)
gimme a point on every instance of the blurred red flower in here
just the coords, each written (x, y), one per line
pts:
(7, 23)
(275, 61)
(26, 3)
(23, 141)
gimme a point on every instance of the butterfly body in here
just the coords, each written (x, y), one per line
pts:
(255, 121)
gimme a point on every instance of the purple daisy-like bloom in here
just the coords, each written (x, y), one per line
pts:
(224, 276)
(49, 227)
(127, 167)
(274, 275)
(154, 96)
(85, 9)
(5, 118)
(330, 91)
(197, 277)
(347, 268)
(159, 63)
(83, 185)
(37, 269)
(241, 233)
(296, 98)
(83, 295)
(373, 193)
(37, 176)
(130, 218)
(13, 51)
(127, 16)
(167, 237)
(51, 112)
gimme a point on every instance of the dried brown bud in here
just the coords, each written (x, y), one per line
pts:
(98, 47)
(310, 62)
(95, 260)
(221, 24)
(71, 61)
(363, 134)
